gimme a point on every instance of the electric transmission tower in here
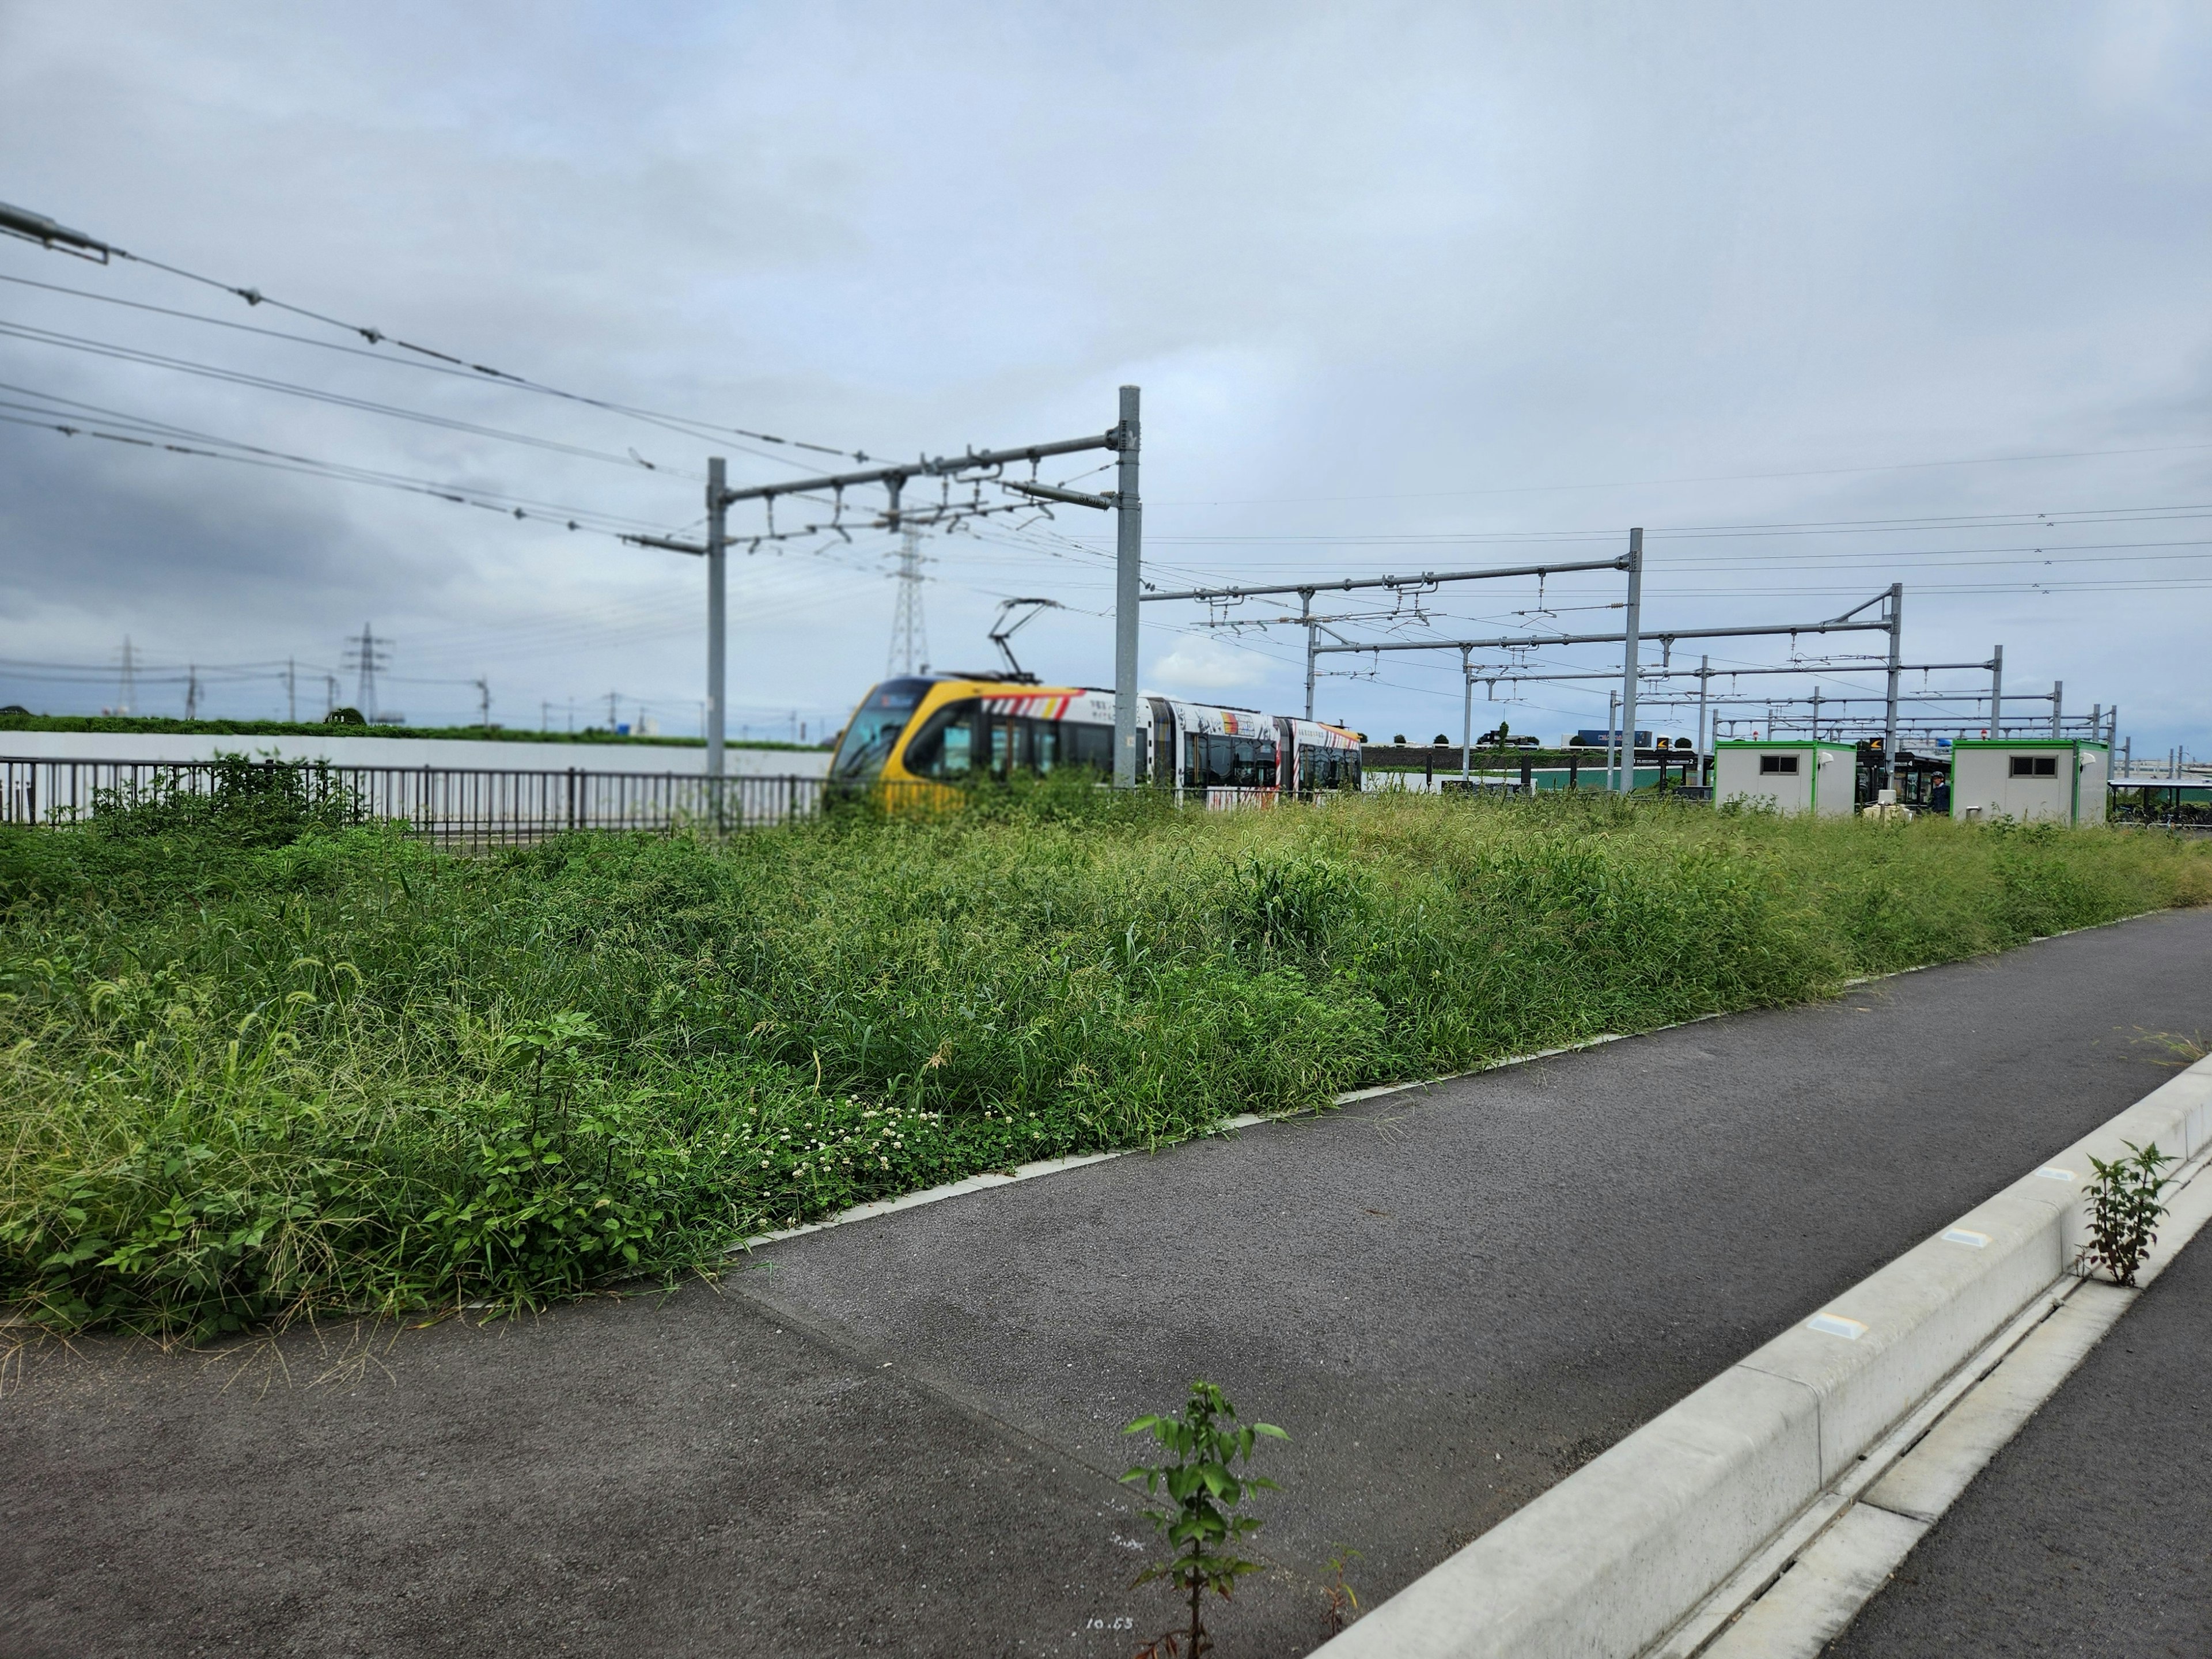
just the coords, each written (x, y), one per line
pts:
(367, 655)
(910, 631)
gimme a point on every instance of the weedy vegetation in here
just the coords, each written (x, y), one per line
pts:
(1199, 1522)
(2124, 1210)
(257, 1062)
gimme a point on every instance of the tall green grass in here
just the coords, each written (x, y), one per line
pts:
(254, 1067)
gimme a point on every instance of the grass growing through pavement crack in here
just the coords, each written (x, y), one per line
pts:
(256, 1064)
(2124, 1210)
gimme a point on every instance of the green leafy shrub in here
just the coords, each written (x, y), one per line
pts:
(243, 802)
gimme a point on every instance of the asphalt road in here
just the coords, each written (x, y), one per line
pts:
(902, 1434)
(2090, 1535)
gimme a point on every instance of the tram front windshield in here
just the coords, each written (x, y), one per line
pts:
(874, 729)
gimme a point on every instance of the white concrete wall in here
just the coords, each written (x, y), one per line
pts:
(460, 752)
(1983, 778)
(1836, 796)
(1737, 776)
(2096, 771)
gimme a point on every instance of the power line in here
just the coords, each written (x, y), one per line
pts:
(682, 425)
(31, 227)
(337, 399)
(150, 434)
(1711, 478)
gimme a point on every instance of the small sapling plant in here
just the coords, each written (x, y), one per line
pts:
(1340, 1600)
(2124, 1209)
(1200, 1524)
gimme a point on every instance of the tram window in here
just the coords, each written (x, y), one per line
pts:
(1088, 745)
(2035, 766)
(1211, 760)
(875, 728)
(1327, 768)
(1044, 745)
(1249, 763)
(1193, 766)
(945, 747)
(1006, 745)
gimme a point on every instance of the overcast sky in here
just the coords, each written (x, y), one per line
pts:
(1412, 286)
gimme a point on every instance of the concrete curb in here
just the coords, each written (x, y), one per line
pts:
(1614, 1558)
(991, 1180)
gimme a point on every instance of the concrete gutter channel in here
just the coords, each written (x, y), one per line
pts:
(1759, 1514)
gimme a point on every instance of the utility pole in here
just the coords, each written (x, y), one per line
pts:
(1128, 581)
(1465, 720)
(1888, 776)
(1704, 688)
(291, 691)
(2058, 703)
(329, 696)
(129, 678)
(191, 691)
(613, 697)
(969, 465)
(1612, 739)
(483, 703)
(1996, 692)
(1630, 646)
(909, 632)
(1313, 631)
(718, 559)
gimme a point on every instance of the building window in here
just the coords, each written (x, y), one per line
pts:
(1771, 763)
(2035, 766)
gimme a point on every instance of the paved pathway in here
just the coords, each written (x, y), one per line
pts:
(2091, 1533)
(901, 1434)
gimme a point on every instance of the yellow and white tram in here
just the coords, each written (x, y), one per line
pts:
(952, 729)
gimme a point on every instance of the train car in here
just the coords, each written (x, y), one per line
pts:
(950, 729)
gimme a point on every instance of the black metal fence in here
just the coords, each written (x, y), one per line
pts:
(468, 806)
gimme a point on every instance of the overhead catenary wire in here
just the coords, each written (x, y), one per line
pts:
(250, 455)
(33, 227)
(682, 425)
(315, 394)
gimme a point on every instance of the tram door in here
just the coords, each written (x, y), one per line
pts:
(1166, 745)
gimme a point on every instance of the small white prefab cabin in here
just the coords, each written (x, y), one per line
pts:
(1788, 776)
(2053, 779)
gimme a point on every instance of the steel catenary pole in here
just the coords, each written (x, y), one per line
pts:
(1128, 567)
(1627, 784)
(717, 630)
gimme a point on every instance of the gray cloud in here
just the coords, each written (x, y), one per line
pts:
(1385, 273)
